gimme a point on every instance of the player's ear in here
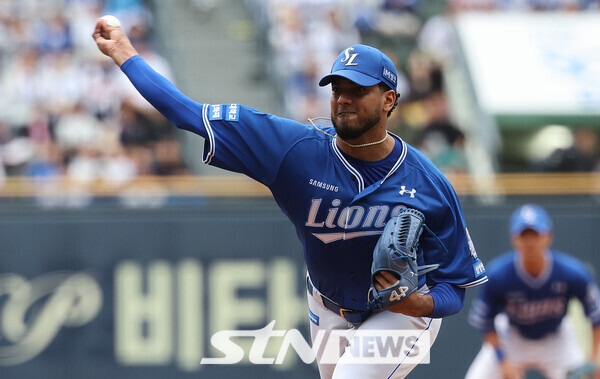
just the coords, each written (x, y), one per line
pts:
(514, 240)
(549, 239)
(389, 99)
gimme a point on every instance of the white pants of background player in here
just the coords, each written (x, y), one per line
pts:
(383, 320)
(554, 355)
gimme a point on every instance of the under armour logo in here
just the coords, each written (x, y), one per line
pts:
(403, 190)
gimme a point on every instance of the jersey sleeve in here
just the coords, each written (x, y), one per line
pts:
(488, 303)
(245, 140)
(179, 109)
(592, 303)
(586, 290)
(479, 316)
(449, 243)
(238, 138)
(447, 300)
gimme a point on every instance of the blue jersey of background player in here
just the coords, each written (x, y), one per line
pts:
(531, 287)
(338, 185)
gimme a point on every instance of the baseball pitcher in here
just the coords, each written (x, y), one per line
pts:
(340, 186)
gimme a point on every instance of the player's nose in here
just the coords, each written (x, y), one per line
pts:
(344, 97)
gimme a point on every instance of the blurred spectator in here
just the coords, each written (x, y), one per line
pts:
(167, 160)
(63, 111)
(131, 13)
(118, 169)
(436, 38)
(417, 34)
(524, 5)
(392, 18)
(54, 34)
(440, 140)
(305, 38)
(444, 144)
(582, 156)
(61, 97)
(302, 30)
(423, 79)
(47, 162)
(424, 76)
(76, 128)
(17, 152)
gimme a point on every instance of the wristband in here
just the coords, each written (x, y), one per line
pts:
(499, 354)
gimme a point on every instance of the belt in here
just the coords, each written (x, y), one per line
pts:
(353, 316)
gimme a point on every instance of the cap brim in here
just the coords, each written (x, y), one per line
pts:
(355, 76)
(520, 228)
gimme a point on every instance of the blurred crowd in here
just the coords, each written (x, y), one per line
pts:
(65, 109)
(305, 36)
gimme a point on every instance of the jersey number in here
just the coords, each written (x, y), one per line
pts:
(397, 296)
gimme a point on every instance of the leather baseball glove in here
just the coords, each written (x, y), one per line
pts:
(396, 251)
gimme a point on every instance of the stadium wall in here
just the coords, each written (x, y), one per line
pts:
(107, 291)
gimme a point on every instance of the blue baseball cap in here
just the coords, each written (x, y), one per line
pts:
(530, 216)
(365, 66)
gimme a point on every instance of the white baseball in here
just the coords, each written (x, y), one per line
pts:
(111, 21)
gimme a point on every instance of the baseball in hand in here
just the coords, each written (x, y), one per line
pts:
(111, 21)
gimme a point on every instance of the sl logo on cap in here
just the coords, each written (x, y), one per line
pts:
(349, 58)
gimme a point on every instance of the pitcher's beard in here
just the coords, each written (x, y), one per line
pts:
(347, 132)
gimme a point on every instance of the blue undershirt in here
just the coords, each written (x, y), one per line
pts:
(447, 300)
(372, 171)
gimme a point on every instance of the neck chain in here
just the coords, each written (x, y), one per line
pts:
(347, 143)
(366, 144)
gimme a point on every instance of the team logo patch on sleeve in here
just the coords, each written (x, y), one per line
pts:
(478, 268)
(215, 112)
(232, 112)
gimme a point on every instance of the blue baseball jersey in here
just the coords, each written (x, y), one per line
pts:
(338, 217)
(534, 305)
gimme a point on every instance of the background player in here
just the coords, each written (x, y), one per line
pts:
(338, 185)
(521, 310)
